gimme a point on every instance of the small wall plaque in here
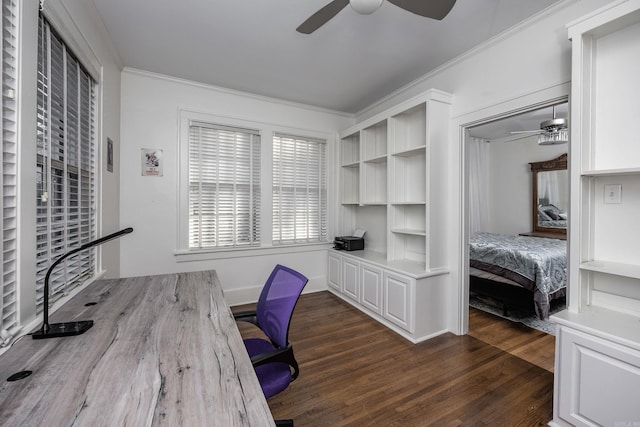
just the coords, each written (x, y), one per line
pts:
(109, 155)
(151, 162)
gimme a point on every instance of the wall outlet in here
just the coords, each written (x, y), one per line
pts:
(613, 193)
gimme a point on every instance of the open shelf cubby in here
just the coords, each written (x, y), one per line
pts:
(409, 129)
(407, 247)
(374, 141)
(373, 218)
(351, 184)
(350, 149)
(409, 178)
(408, 219)
(374, 182)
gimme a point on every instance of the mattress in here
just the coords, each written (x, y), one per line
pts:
(537, 264)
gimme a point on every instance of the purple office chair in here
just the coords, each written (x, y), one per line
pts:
(273, 360)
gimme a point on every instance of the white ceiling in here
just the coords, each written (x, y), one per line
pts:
(252, 45)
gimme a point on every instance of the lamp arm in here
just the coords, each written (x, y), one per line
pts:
(45, 324)
(107, 238)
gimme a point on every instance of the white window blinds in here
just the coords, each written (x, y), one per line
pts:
(224, 186)
(65, 165)
(8, 190)
(299, 190)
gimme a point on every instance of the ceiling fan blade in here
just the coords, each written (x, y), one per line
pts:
(434, 9)
(514, 138)
(322, 16)
(526, 131)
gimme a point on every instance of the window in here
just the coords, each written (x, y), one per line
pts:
(224, 186)
(299, 190)
(8, 190)
(65, 165)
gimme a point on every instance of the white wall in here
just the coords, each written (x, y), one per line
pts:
(79, 25)
(149, 119)
(510, 183)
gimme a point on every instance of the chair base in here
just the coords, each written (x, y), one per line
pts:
(284, 423)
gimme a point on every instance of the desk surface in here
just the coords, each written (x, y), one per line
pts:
(164, 350)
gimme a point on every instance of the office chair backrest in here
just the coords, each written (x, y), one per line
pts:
(277, 301)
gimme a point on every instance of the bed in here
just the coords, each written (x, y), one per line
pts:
(518, 270)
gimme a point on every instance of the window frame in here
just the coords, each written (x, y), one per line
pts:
(267, 132)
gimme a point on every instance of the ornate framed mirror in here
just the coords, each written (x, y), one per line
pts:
(550, 198)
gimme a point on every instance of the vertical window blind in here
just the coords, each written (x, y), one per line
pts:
(224, 186)
(8, 190)
(299, 190)
(65, 165)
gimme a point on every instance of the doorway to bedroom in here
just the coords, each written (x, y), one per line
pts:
(516, 203)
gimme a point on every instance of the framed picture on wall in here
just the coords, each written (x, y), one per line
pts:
(109, 155)
(151, 162)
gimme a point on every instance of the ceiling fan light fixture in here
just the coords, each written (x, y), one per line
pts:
(365, 7)
(554, 137)
(555, 131)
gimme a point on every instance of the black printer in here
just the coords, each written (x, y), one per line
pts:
(348, 243)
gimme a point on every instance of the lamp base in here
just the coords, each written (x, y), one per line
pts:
(64, 329)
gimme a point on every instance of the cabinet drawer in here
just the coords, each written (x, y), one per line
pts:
(598, 381)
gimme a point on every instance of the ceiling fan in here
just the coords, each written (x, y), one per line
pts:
(435, 9)
(551, 132)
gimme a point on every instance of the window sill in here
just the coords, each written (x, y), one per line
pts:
(210, 254)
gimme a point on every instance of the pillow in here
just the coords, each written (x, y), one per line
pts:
(553, 214)
(542, 215)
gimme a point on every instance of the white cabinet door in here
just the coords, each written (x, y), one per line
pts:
(371, 296)
(397, 298)
(335, 272)
(350, 276)
(598, 381)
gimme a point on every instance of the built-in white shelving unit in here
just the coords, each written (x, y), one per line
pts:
(394, 184)
(598, 337)
(397, 160)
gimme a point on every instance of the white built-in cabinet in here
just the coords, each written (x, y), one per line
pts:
(411, 304)
(597, 373)
(393, 183)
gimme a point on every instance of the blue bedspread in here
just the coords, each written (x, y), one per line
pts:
(537, 264)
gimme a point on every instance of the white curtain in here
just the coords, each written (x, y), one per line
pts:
(478, 150)
(549, 187)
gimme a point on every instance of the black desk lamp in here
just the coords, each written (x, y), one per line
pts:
(69, 328)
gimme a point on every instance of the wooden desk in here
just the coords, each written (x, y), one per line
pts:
(164, 350)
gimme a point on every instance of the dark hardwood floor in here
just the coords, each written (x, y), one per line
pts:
(356, 372)
(529, 344)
